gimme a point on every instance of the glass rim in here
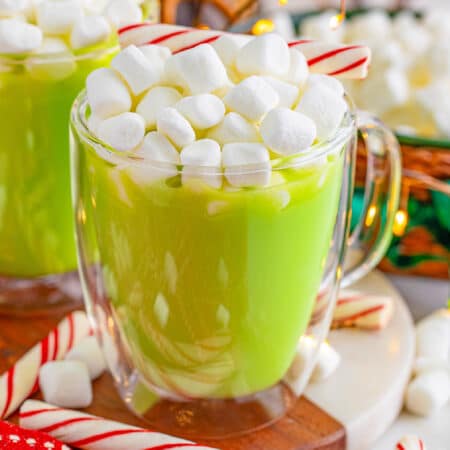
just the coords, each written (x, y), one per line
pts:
(16, 59)
(313, 154)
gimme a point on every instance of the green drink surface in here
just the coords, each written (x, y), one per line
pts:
(211, 289)
(36, 220)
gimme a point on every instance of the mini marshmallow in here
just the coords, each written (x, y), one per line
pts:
(121, 13)
(58, 17)
(234, 128)
(298, 68)
(88, 31)
(438, 58)
(228, 46)
(328, 361)
(123, 132)
(88, 352)
(246, 164)
(107, 94)
(202, 160)
(433, 338)
(394, 86)
(410, 442)
(427, 364)
(157, 147)
(318, 27)
(287, 132)
(198, 70)
(12, 7)
(136, 69)
(324, 107)
(157, 55)
(414, 40)
(154, 101)
(52, 69)
(66, 384)
(18, 37)
(267, 54)
(173, 125)
(252, 98)
(331, 83)
(288, 93)
(93, 123)
(203, 111)
(428, 392)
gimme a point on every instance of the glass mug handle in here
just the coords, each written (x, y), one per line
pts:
(371, 237)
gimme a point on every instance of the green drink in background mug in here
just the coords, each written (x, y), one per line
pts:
(44, 62)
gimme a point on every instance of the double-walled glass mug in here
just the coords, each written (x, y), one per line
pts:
(203, 296)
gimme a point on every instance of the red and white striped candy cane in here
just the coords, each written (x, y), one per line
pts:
(344, 61)
(94, 433)
(21, 380)
(410, 443)
(356, 309)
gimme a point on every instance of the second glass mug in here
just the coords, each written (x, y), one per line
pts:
(202, 296)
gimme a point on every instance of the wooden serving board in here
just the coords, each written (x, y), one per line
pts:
(361, 399)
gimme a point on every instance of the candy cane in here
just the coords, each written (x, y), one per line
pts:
(21, 380)
(342, 61)
(361, 310)
(94, 433)
(410, 443)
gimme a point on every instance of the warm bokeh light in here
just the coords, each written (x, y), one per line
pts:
(370, 217)
(400, 223)
(202, 26)
(263, 26)
(282, 2)
(336, 21)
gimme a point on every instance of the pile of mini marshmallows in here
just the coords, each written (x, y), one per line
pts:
(409, 81)
(55, 26)
(219, 110)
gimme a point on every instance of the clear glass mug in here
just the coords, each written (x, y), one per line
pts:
(201, 297)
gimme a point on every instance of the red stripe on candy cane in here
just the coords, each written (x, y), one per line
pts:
(107, 435)
(362, 313)
(400, 447)
(352, 66)
(9, 391)
(133, 27)
(421, 444)
(55, 343)
(165, 37)
(196, 44)
(71, 332)
(65, 423)
(169, 446)
(36, 412)
(44, 359)
(301, 41)
(330, 54)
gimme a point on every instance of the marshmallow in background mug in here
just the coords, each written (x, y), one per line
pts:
(11, 7)
(66, 384)
(19, 37)
(246, 164)
(202, 161)
(428, 392)
(318, 28)
(121, 13)
(58, 17)
(88, 31)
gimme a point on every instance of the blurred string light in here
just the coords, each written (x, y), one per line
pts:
(263, 26)
(283, 2)
(401, 218)
(339, 18)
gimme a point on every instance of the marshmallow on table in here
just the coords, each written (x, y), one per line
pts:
(88, 352)
(287, 132)
(198, 70)
(298, 68)
(154, 101)
(328, 361)
(173, 125)
(107, 94)
(58, 17)
(18, 37)
(121, 13)
(123, 132)
(228, 46)
(288, 93)
(433, 338)
(88, 31)
(66, 384)
(410, 443)
(267, 54)
(48, 68)
(325, 107)
(136, 69)
(252, 98)
(428, 392)
(234, 128)
(202, 111)
(246, 164)
(202, 160)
